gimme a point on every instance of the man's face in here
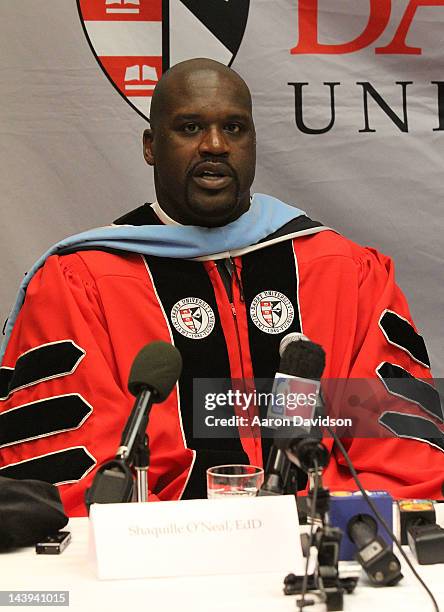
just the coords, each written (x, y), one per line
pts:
(203, 150)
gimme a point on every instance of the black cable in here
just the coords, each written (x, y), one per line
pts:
(379, 517)
(301, 602)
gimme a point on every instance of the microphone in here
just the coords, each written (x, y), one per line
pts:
(303, 359)
(379, 563)
(154, 373)
(299, 358)
(293, 337)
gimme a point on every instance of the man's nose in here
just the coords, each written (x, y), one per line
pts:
(214, 142)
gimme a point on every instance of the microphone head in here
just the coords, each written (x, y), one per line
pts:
(302, 358)
(303, 451)
(157, 366)
(293, 337)
(362, 529)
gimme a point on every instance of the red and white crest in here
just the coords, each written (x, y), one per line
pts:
(272, 312)
(193, 318)
(135, 41)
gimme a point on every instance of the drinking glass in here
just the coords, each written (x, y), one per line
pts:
(234, 481)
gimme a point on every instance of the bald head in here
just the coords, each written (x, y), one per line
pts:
(185, 76)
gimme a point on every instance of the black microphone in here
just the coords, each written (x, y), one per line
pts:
(304, 359)
(154, 373)
(378, 561)
(301, 357)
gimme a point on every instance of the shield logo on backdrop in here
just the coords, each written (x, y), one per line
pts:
(134, 41)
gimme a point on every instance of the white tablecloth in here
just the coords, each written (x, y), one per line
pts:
(74, 571)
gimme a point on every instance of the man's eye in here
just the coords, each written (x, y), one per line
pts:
(191, 128)
(233, 128)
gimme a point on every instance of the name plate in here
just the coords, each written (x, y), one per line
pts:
(196, 537)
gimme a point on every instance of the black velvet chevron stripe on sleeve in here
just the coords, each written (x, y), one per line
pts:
(6, 375)
(68, 465)
(413, 427)
(41, 363)
(401, 383)
(401, 333)
(43, 418)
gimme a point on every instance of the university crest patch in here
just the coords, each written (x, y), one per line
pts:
(272, 312)
(193, 318)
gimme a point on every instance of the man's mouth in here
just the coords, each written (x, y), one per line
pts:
(212, 175)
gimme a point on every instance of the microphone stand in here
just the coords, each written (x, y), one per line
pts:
(136, 451)
(321, 505)
(327, 540)
(141, 463)
(281, 475)
(114, 480)
(155, 371)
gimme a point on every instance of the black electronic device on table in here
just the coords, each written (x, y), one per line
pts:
(54, 544)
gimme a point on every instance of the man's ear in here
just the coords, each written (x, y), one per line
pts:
(148, 146)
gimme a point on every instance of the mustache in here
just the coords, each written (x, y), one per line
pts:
(214, 160)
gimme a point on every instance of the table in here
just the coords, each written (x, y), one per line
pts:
(74, 571)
